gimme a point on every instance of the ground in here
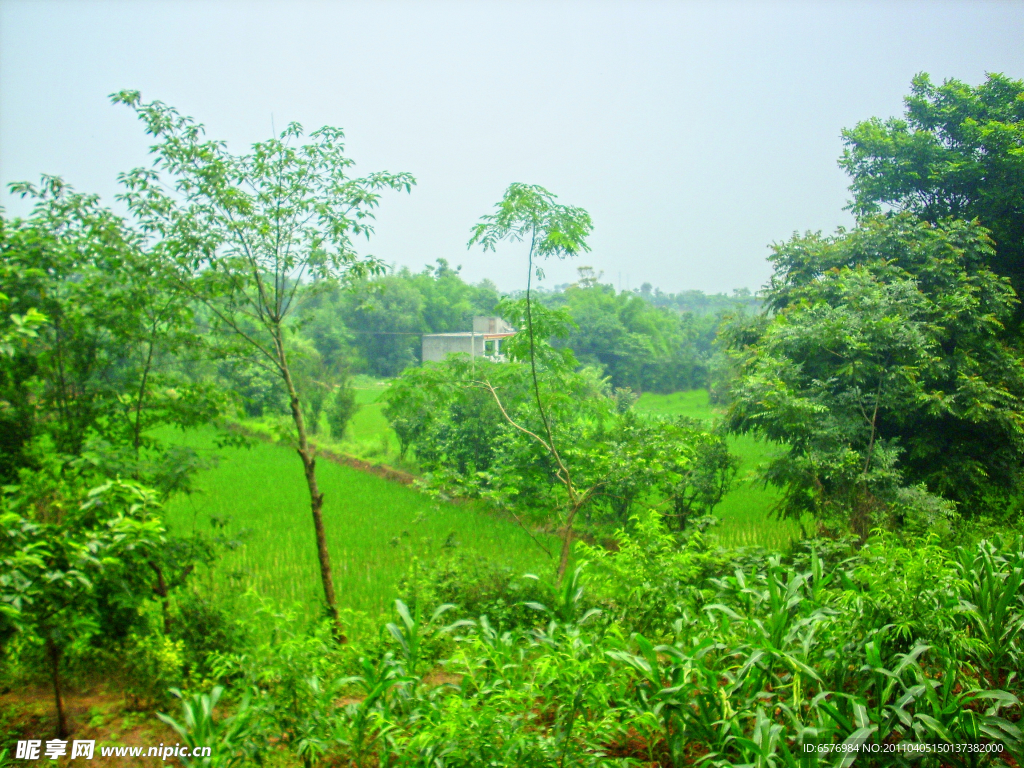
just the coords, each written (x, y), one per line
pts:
(99, 713)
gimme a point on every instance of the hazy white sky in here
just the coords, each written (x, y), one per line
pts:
(694, 133)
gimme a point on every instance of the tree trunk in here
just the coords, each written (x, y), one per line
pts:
(162, 592)
(316, 499)
(53, 652)
(563, 558)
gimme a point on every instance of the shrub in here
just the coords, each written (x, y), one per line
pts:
(476, 586)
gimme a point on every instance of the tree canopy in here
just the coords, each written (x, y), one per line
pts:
(958, 152)
(884, 366)
(92, 372)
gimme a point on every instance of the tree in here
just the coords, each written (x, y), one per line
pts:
(16, 332)
(102, 371)
(244, 234)
(639, 346)
(382, 319)
(475, 429)
(386, 317)
(529, 213)
(958, 153)
(53, 570)
(884, 366)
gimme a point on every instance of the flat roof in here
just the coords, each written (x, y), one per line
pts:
(470, 333)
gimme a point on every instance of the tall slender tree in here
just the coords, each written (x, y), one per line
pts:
(528, 213)
(247, 234)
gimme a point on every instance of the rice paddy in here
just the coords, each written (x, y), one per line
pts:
(376, 528)
(369, 436)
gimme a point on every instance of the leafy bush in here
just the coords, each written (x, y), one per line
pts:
(673, 660)
(205, 627)
(475, 586)
(649, 579)
(153, 665)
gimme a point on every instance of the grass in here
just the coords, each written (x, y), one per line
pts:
(375, 528)
(369, 435)
(744, 510)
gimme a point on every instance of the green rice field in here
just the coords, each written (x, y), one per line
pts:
(369, 435)
(375, 527)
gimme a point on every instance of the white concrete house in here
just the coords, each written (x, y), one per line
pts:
(483, 341)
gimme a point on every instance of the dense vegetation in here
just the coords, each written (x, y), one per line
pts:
(648, 341)
(560, 594)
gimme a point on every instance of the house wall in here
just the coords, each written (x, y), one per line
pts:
(437, 346)
(491, 325)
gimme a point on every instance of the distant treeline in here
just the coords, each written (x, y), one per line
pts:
(645, 339)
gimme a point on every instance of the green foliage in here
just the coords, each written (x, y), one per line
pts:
(773, 664)
(257, 386)
(199, 728)
(17, 330)
(476, 586)
(884, 366)
(646, 579)
(73, 566)
(676, 463)
(204, 626)
(449, 415)
(698, 303)
(636, 343)
(992, 592)
(100, 374)
(245, 232)
(529, 213)
(957, 153)
(450, 422)
(377, 322)
(154, 664)
(342, 408)
(410, 633)
(59, 551)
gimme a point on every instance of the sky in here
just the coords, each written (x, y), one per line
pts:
(695, 134)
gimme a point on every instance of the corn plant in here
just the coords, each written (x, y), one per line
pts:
(410, 632)
(367, 719)
(992, 594)
(199, 728)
